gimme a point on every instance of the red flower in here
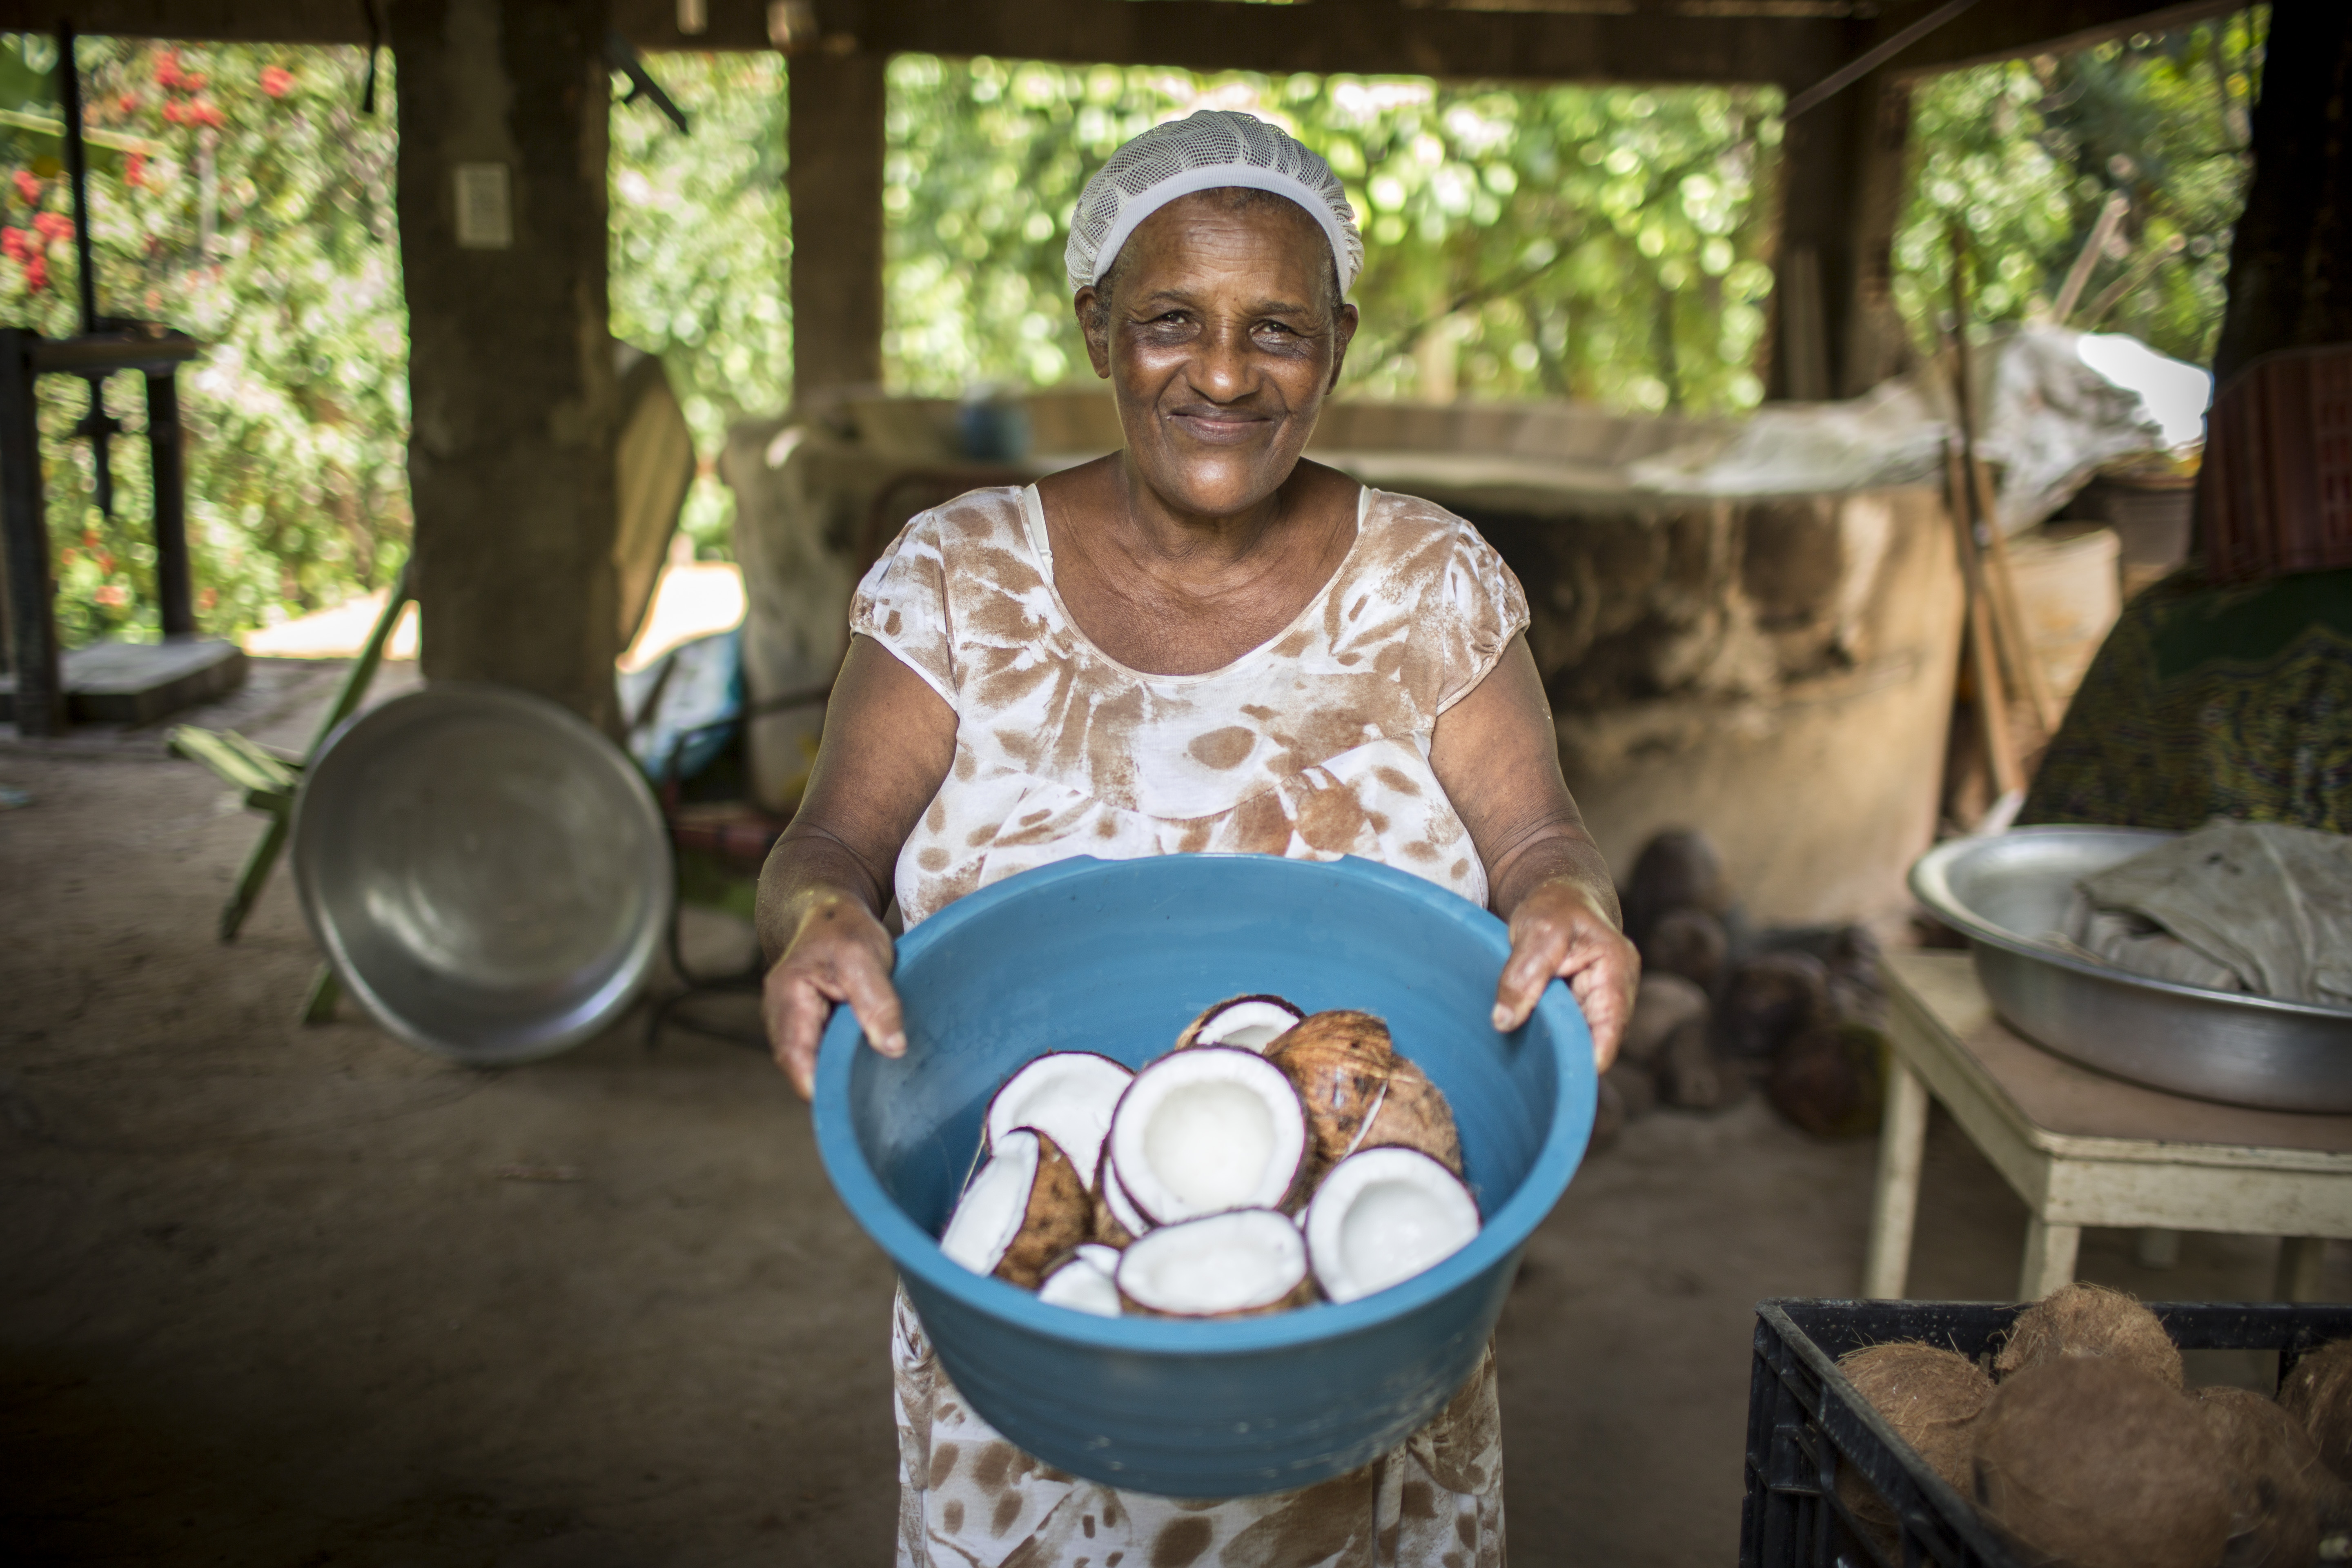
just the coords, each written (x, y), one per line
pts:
(134, 168)
(26, 186)
(68, 555)
(37, 274)
(175, 113)
(15, 244)
(192, 82)
(207, 599)
(167, 69)
(54, 226)
(114, 595)
(205, 113)
(127, 103)
(275, 80)
(105, 564)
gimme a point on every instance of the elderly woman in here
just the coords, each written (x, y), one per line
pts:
(1201, 642)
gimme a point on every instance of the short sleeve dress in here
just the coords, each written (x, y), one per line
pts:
(1314, 745)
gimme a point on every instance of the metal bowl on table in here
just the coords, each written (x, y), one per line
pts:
(2005, 892)
(488, 875)
(1117, 957)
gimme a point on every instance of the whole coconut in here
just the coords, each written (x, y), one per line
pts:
(1689, 942)
(1932, 1397)
(1664, 1004)
(2079, 1320)
(1695, 1076)
(2090, 1462)
(2276, 1476)
(1359, 1094)
(2318, 1392)
(1831, 1078)
(1676, 870)
(1770, 997)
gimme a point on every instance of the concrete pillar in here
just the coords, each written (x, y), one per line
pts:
(835, 185)
(1837, 332)
(514, 409)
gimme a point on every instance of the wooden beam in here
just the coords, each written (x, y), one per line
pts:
(1995, 30)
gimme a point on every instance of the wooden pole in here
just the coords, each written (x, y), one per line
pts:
(1983, 662)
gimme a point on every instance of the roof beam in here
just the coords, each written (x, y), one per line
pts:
(1991, 30)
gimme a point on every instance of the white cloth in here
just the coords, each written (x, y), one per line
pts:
(1313, 745)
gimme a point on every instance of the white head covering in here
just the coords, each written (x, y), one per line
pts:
(1213, 148)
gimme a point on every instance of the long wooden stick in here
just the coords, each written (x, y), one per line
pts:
(2111, 217)
(2008, 619)
(1984, 663)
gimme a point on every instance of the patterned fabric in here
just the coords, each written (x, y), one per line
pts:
(2211, 701)
(1312, 746)
(968, 1499)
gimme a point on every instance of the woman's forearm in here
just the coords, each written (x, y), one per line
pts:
(1557, 851)
(810, 870)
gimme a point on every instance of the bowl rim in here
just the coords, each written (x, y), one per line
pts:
(916, 1253)
(1931, 884)
(442, 700)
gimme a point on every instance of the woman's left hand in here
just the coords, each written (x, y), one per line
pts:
(1559, 931)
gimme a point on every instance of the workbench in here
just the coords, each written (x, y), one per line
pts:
(2082, 1148)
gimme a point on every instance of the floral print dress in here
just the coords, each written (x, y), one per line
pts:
(1314, 745)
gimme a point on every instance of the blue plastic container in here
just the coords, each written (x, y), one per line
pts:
(1117, 957)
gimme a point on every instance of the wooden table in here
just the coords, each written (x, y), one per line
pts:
(2082, 1148)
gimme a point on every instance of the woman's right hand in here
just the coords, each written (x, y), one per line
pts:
(839, 952)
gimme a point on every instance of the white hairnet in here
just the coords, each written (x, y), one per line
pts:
(1212, 148)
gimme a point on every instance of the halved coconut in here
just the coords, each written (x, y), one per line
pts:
(1234, 1264)
(1382, 1217)
(1069, 1096)
(1117, 1223)
(1084, 1281)
(1252, 1023)
(1206, 1130)
(1025, 1208)
(1360, 1094)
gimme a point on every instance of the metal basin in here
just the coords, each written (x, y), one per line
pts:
(487, 874)
(2004, 891)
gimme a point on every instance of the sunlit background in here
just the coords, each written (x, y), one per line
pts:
(1606, 245)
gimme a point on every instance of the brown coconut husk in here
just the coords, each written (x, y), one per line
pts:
(1059, 1216)
(1694, 1075)
(1105, 1226)
(1676, 870)
(1360, 1094)
(2276, 1476)
(2090, 1462)
(1932, 1397)
(2079, 1320)
(2318, 1392)
(1664, 1004)
(1831, 1078)
(1689, 942)
(1770, 997)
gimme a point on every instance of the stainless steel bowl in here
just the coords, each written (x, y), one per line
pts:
(488, 875)
(2006, 890)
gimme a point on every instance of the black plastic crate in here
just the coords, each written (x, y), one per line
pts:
(1806, 1424)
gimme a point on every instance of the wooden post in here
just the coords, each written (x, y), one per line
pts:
(835, 184)
(40, 696)
(1841, 194)
(503, 108)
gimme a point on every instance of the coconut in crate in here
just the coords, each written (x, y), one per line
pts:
(1271, 1160)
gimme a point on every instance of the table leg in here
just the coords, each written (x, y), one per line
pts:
(1894, 1206)
(2049, 1258)
(2298, 1267)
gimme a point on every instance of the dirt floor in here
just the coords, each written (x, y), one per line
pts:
(291, 1296)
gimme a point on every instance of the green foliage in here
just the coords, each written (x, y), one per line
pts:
(2023, 155)
(249, 203)
(701, 251)
(1598, 242)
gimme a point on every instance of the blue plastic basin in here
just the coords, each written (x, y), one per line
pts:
(1117, 957)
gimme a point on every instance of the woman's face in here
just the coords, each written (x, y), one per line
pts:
(1223, 334)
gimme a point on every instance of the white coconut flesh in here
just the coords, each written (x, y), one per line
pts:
(1230, 1262)
(1122, 1208)
(1069, 1096)
(1083, 1284)
(1207, 1130)
(995, 1206)
(1382, 1217)
(1251, 1024)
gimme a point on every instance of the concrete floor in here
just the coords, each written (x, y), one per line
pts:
(277, 1295)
